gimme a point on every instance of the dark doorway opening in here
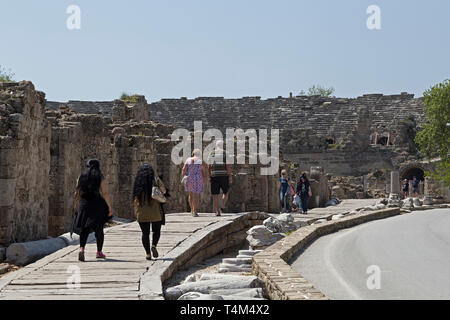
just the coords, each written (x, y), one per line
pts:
(413, 172)
(330, 141)
(383, 141)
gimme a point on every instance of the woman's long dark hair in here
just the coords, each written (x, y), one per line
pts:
(143, 183)
(304, 177)
(90, 179)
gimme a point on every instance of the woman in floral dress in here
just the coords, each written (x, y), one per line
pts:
(195, 170)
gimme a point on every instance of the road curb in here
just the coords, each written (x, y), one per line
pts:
(283, 282)
(202, 244)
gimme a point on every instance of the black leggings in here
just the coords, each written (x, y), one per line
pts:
(99, 236)
(156, 228)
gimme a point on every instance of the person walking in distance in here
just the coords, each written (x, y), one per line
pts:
(146, 209)
(415, 187)
(195, 169)
(92, 207)
(304, 191)
(284, 190)
(220, 176)
(405, 188)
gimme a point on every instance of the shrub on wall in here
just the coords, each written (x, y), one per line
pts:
(6, 75)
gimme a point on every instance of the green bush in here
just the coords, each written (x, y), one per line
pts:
(434, 138)
(128, 98)
(6, 75)
(318, 91)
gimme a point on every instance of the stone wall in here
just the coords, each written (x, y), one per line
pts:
(137, 111)
(341, 135)
(326, 116)
(24, 163)
(43, 151)
(121, 148)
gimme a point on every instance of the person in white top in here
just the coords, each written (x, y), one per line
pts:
(195, 170)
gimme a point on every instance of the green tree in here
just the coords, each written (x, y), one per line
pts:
(6, 75)
(318, 91)
(434, 138)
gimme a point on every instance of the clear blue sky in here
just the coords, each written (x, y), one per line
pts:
(230, 48)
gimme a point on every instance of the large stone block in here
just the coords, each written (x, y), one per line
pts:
(24, 253)
(206, 286)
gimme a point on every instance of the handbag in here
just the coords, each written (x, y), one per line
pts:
(296, 200)
(184, 179)
(157, 194)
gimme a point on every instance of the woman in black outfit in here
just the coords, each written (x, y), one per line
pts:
(92, 207)
(304, 191)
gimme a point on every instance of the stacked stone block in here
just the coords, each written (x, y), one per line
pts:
(24, 163)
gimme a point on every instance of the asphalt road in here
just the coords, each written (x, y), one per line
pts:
(410, 253)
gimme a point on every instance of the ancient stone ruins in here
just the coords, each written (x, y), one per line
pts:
(347, 146)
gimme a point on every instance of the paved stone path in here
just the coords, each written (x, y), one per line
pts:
(323, 213)
(118, 277)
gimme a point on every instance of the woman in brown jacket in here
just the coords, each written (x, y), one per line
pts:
(148, 211)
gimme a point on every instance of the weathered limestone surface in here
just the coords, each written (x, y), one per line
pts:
(305, 123)
(24, 253)
(206, 286)
(36, 198)
(24, 163)
(261, 236)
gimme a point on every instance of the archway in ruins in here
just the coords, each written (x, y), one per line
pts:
(411, 172)
(384, 141)
(329, 140)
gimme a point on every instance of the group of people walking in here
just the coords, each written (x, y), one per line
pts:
(300, 194)
(195, 174)
(415, 187)
(93, 206)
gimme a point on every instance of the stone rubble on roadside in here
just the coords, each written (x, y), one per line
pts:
(199, 296)
(242, 263)
(284, 223)
(272, 230)
(207, 286)
(408, 203)
(417, 202)
(337, 216)
(261, 237)
(239, 285)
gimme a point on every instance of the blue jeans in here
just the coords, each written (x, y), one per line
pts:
(304, 203)
(285, 197)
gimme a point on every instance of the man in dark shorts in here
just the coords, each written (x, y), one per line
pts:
(220, 176)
